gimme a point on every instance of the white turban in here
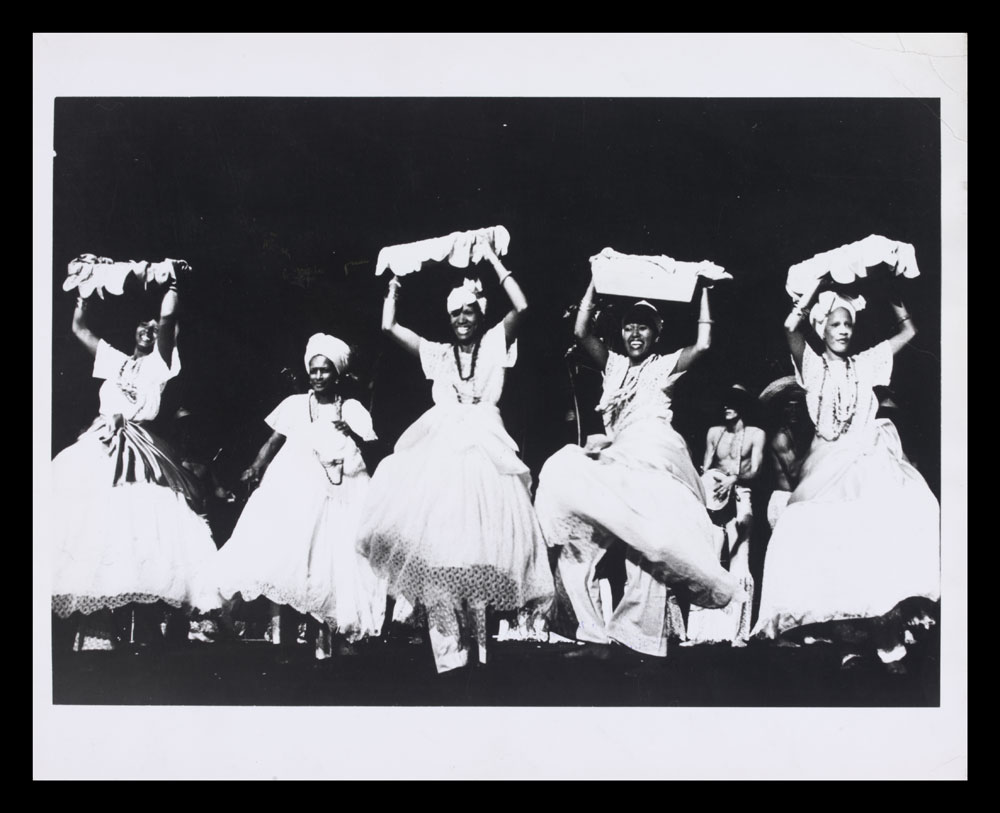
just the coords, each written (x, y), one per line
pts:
(829, 301)
(471, 290)
(323, 344)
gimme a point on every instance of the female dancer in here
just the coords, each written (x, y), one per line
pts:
(860, 533)
(449, 519)
(125, 532)
(637, 485)
(294, 541)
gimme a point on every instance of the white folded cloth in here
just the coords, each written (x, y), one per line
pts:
(459, 248)
(849, 262)
(89, 273)
(652, 276)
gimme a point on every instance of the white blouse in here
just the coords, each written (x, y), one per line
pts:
(482, 385)
(132, 386)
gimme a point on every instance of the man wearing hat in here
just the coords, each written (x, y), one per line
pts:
(733, 456)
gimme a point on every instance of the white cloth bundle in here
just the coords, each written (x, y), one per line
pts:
(89, 273)
(656, 277)
(852, 261)
(459, 248)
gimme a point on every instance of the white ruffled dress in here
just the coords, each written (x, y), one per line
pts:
(294, 541)
(861, 531)
(642, 488)
(449, 517)
(120, 536)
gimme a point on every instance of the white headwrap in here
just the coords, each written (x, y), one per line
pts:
(829, 301)
(471, 290)
(323, 344)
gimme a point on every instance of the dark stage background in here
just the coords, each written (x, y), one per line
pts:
(281, 207)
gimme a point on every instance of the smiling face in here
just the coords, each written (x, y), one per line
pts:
(639, 339)
(465, 323)
(838, 331)
(145, 336)
(322, 374)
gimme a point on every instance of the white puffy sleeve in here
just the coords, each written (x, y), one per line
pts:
(107, 361)
(431, 356)
(359, 419)
(663, 372)
(286, 416)
(875, 365)
(494, 347)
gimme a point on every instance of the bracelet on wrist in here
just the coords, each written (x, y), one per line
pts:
(906, 318)
(504, 277)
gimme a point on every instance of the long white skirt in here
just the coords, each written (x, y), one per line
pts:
(860, 534)
(119, 544)
(295, 544)
(448, 519)
(642, 489)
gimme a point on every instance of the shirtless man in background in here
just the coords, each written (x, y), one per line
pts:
(734, 453)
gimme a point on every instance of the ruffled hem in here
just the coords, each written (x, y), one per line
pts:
(449, 517)
(421, 583)
(319, 610)
(65, 605)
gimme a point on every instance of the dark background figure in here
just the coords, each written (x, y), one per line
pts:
(281, 205)
(782, 410)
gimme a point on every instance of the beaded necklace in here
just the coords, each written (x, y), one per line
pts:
(617, 400)
(127, 382)
(465, 399)
(472, 367)
(843, 407)
(338, 465)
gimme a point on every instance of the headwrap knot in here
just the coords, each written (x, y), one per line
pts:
(829, 301)
(469, 292)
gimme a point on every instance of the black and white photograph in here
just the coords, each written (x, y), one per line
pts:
(494, 393)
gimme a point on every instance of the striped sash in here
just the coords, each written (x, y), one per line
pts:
(141, 457)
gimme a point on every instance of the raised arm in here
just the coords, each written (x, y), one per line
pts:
(691, 353)
(403, 336)
(907, 330)
(512, 321)
(595, 348)
(166, 337)
(86, 336)
(267, 452)
(793, 325)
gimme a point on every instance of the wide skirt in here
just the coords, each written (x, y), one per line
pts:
(295, 544)
(134, 542)
(860, 535)
(642, 489)
(449, 520)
